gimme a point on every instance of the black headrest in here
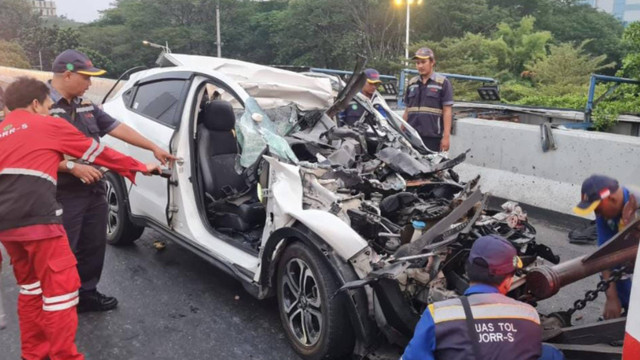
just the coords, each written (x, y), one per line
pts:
(218, 116)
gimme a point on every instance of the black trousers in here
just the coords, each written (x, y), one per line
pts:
(85, 212)
(432, 143)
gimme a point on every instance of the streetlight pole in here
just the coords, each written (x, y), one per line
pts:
(406, 45)
(218, 29)
(408, 3)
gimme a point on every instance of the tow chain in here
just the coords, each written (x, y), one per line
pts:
(591, 295)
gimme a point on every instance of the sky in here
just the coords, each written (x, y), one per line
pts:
(82, 10)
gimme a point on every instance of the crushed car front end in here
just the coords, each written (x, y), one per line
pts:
(364, 226)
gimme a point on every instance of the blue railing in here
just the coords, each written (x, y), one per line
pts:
(591, 103)
(401, 85)
(344, 72)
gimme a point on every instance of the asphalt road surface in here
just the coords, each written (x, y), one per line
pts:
(174, 305)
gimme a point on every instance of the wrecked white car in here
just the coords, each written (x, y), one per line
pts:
(353, 229)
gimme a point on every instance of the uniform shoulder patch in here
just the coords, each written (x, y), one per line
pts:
(414, 80)
(440, 79)
(56, 111)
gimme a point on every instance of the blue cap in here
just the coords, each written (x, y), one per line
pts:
(75, 61)
(493, 255)
(373, 76)
(594, 189)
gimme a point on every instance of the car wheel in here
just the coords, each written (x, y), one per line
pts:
(316, 322)
(120, 229)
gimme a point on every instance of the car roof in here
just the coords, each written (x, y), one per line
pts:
(271, 87)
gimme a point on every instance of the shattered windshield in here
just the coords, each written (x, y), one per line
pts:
(256, 131)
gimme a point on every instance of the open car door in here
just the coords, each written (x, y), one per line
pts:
(154, 107)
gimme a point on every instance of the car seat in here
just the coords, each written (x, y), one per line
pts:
(231, 196)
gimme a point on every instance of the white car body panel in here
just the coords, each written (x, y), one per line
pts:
(287, 195)
(271, 87)
(150, 197)
(187, 220)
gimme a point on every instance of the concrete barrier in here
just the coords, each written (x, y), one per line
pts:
(99, 86)
(510, 159)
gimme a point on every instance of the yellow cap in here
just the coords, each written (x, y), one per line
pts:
(588, 210)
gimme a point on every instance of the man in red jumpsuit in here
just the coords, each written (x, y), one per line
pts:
(32, 145)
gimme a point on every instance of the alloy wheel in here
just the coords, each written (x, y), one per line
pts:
(114, 206)
(301, 303)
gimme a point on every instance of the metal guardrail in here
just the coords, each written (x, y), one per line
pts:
(388, 89)
(591, 103)
(345, 72)
(395, 88)
(391, 88)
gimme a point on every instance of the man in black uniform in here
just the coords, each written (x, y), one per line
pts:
(81, 190)
(429, 102)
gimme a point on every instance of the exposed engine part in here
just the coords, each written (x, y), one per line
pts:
(371, 176)
(392, 244)
(544, 282)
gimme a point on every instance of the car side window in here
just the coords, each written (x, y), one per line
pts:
(160, 100)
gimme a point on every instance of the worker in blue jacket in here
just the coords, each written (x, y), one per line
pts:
(610, 202)
(484, 323)
(429, 103)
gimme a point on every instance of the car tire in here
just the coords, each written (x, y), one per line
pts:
(120, 230)
(305, 289)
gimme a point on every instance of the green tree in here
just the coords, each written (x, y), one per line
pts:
(482, 37)
(439, 19)
(188, 26)
(521, 8)
(575, 22)
(472, 54)
(67, 38)
(504, 53)
(117, 44)
(379, 30)
(39, 44)
(523, 44)
(566, 69)
(15, 16)
(559, 80)
(315, 33)
(61, 21)
(631, 41)
(12, 55)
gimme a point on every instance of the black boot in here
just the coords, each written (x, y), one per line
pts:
(91, 301)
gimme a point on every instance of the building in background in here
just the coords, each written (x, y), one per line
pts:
(626, 10)
(44, 8)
